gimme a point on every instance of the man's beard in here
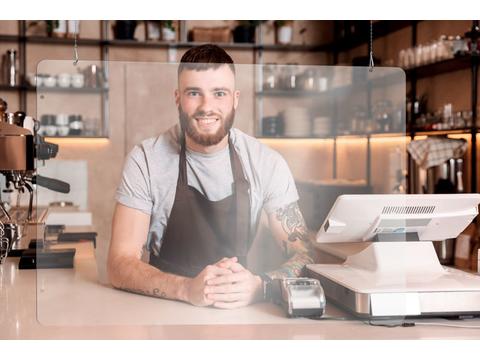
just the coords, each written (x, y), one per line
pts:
(186, 123)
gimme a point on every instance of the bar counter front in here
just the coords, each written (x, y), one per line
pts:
(73, 304)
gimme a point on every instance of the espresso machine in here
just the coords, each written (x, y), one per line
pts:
(22, 231)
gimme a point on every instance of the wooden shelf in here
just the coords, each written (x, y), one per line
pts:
(443, 132)
(361, 85)
(290, 93)
(61, 41)
(4, 87)
(231, 46)
(9, 38)
(375, 135)
(139, 44)
(55, 89)
(75, 137)
(69, 90)
(441, 67)
(294, 47)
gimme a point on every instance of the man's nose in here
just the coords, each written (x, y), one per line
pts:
(206, 104)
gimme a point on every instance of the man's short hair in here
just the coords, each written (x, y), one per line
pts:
(204, 57)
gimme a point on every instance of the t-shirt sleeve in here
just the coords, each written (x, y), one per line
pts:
(134, 190)
(280, 187)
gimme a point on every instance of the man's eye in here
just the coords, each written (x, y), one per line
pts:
(193, 93)
(220, 93)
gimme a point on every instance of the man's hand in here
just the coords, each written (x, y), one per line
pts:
(234, 290)
(196, 289)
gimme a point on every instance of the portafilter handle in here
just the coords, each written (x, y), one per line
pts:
(51, 184)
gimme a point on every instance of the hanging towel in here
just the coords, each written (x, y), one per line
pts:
(435, 150)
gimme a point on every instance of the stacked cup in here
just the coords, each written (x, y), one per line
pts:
(321, 126)
(297, 122)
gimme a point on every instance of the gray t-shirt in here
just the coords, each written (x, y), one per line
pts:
(150, 176)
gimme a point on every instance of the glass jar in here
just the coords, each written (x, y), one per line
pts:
(290, 79)
(270, 77)
(426, 51)
(418, 55)
(467, 118)
(401, 59)
(449, 47)
(442, 52)
(308, 80)
(359, 120)
(433, 52)
(409, 58)
(459, 45)
(382, 114)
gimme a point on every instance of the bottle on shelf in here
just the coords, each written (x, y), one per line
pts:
(11, 68)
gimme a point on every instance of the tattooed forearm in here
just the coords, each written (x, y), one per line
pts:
(154, 292)
(293, 267)
(298, 242)
(292, 222)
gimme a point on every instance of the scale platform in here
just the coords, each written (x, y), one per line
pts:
(404, 279)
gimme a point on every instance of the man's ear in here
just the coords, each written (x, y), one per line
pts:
(177, 97)
(236, 97)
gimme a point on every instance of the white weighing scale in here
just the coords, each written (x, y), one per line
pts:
(391, 268)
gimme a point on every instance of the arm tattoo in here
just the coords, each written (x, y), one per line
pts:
(292, 222)
(300, 252)
(155, 292)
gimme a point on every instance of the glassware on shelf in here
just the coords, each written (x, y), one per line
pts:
(382, 115)
(449, 45)
(359, 120)
(76, 125)
(272, 126)
(290, 76)
(459, 45)
(270, 81)
(90, 126)
(308, 78)
(418, 55)
(467, 118)
(402, 59)
(11, 67)
(398, 119)
(447, 118)
(433, 52)
(409, 58)
(321, 81)
(426, 51)
(442, 51)
(458, 120)
(445, 47)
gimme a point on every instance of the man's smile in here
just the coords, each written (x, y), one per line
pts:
(206, 123)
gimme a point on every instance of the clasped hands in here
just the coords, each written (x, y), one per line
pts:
(226, 285)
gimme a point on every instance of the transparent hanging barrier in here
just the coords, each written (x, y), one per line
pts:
(234, 172)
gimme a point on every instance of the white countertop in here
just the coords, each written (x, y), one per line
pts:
(72, 304)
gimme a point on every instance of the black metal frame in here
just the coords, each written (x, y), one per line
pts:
(383, 28)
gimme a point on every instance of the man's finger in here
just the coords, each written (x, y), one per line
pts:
(212, 271)
(229, 305)
(227, 279)
(221, 260)
(227, 297)
(225, 288)
(236, 267)
(227, 262)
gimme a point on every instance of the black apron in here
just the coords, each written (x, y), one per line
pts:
(200, 232)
